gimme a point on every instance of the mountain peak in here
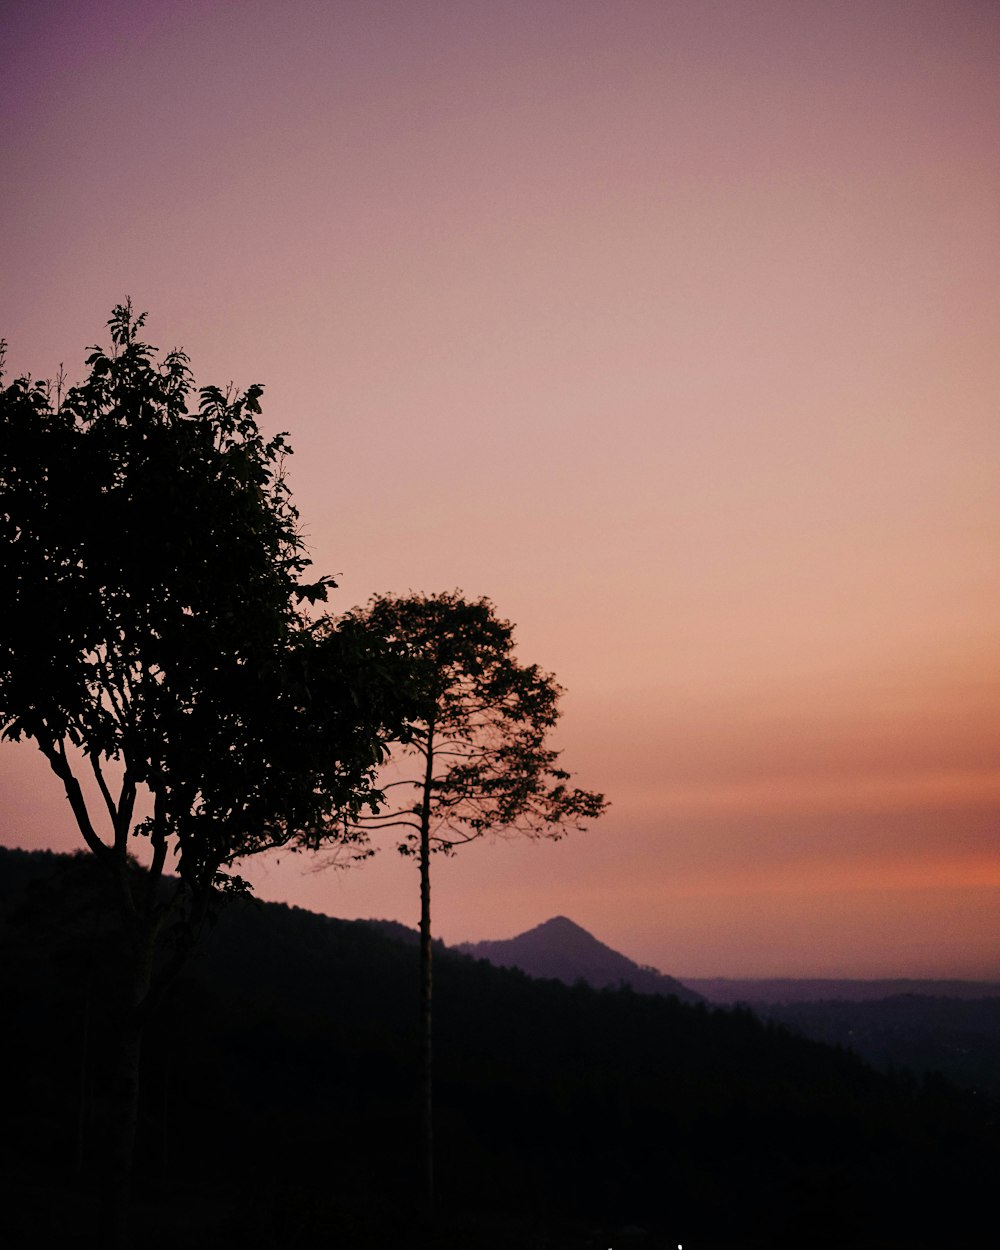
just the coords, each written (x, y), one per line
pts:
(558, 924)
(562, 950)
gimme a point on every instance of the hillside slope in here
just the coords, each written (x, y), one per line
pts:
(280, 1104)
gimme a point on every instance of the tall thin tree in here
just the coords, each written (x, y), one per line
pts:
(473, 761)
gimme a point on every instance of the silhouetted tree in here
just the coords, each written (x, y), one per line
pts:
(474, 759)
(155, 646)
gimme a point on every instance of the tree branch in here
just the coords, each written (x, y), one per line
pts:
(105, 792)
(390, 823)
(55, 753)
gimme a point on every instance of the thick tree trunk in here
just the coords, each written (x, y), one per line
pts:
(122, 1123)
(122, 1077)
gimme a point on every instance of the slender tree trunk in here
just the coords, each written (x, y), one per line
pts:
(426, 989)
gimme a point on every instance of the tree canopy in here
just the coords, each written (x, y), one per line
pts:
(475, 758)
(154, 631)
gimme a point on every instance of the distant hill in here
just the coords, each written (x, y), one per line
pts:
(726, 990)
(563, 951)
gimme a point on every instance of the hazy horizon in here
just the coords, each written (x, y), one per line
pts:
(670, 327)
(293, 894)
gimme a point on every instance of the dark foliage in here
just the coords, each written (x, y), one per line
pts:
(153, 637)
(474, 758)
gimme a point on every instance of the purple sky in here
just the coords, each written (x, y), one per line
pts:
(671, 327)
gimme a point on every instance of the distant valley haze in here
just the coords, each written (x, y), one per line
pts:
(561, 949)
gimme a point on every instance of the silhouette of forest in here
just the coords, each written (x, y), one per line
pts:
(279, 1101)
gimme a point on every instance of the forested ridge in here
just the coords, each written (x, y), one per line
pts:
(280, 1101)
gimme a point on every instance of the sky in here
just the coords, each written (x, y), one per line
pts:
(669, 325)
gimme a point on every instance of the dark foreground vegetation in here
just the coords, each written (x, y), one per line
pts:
(280, 1106)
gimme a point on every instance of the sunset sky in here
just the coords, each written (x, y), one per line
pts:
(670, 325)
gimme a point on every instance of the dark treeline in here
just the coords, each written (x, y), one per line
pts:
(280, 1101)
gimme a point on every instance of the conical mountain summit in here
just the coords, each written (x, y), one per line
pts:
(562, 950)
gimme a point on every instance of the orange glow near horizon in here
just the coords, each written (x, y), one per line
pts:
(670, 327)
